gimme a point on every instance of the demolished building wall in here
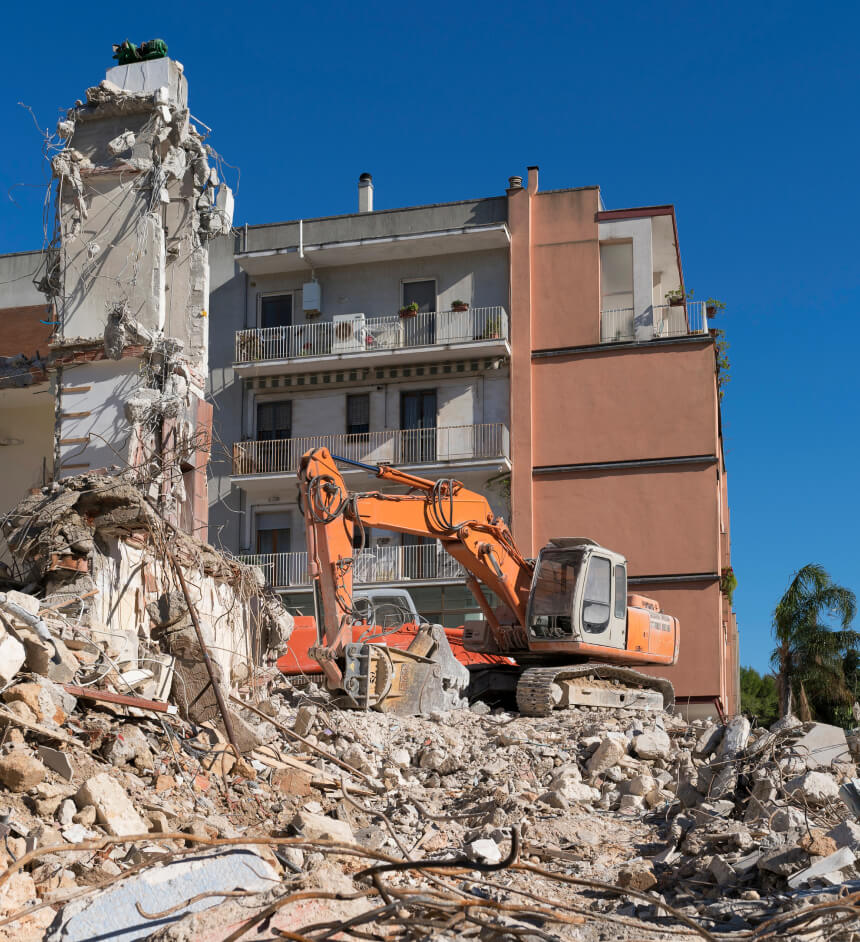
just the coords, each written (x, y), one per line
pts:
(136, 203)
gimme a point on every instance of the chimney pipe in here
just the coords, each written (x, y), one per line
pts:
(365, 193)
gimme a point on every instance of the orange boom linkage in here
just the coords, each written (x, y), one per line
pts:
(555, 614)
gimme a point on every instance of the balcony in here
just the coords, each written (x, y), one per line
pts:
(682, 320)
(375, 566)
(355, 340)
(459, 444)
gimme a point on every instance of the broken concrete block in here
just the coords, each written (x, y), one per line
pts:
(121, 143)
(19, 772)
(735, 737)
(39, 700)
(12, 657)
(319, 826)
(485, 850)
(708, 741)
(607, 754)
(788, 819)
(56, 761)
(822, 746)
(722, 871)
(846, 834)
(637, 876)
(113, 806)
(818, 844)
(652, 745)
(844, 857)
(304, 721)
(51, 659)
(817, 788)
(129, 745)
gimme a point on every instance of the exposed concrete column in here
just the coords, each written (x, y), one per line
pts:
(520, 224)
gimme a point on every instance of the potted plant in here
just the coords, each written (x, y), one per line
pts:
(676, 297)
(460, 306)
(493, 328)
(728, 583)
(713, 307)
(409, 310)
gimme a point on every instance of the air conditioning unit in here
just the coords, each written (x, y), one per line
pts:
(349, 335)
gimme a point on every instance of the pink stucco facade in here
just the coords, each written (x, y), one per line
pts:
(619, 442)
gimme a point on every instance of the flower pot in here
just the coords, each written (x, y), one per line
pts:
(405, 312)
(460, 307)
(677, 302)
(711, 310)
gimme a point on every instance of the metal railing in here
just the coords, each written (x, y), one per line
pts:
(379, 564)
(668, 320)
(396, 446)
(362, 334)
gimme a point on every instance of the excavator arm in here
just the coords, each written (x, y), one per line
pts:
(446, 510)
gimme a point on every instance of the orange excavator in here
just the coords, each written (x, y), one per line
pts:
(563, 628)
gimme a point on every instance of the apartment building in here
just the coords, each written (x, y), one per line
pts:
(525, 344)
(532, 344)
(384, 336)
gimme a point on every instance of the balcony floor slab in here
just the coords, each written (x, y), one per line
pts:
(361, 359)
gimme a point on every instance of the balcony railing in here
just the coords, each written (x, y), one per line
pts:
(361, 334)
(380, 564)
(669, 320)
(395, 446)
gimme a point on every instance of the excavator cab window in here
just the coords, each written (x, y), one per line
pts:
(553, 588)
(598, 593)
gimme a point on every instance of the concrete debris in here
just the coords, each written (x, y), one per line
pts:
(719, 825)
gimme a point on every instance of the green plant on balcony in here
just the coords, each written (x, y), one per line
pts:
(409, 310)
(492, 329)
(460, 306)
(713, 307)
(677, 296)
(250, 348)
(728, 583)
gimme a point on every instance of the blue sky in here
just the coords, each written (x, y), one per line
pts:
(742, 115)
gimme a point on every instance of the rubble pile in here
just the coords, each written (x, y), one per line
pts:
(127, 813)
(588, 824)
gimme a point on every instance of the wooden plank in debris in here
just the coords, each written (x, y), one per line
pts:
(85, 440)
(75, 415)
(37, 728)
(66, 467)
(108, 696)
(75, 389)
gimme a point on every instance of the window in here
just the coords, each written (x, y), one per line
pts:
(274, 420)
(276, 310)
(595, 605)
(620, 592)
(273, 534)
(423, 293)
(358, 414)
(420, 331)
(418, 422)
(554, 585)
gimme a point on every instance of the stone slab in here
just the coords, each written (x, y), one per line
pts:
(822, 746)
(113, 914)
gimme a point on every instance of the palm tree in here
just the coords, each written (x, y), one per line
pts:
(808, 658)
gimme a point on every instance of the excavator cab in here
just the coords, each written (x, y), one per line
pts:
(578, 594)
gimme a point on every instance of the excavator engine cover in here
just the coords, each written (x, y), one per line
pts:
(422, 679)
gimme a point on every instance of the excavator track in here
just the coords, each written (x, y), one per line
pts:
(535, 686)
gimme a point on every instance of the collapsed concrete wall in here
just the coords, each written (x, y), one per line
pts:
(128, 272)
(98, 556)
